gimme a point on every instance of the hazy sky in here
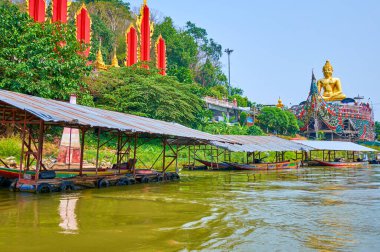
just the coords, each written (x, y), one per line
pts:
(277, 43)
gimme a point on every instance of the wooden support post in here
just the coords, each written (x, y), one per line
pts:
(176, 159)
(70, 149)
(97, 153)
(22, 146)
(134, 155)
(28, 152)
(217, 157)
(40, 148)
(194, 155)
(164, 154)
(118, 161)
(83, 130)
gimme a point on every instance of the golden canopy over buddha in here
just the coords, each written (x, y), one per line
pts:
(332, 87)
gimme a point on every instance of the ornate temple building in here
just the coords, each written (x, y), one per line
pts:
(328, 114)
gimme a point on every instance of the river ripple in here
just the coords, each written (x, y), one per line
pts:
(300, 210)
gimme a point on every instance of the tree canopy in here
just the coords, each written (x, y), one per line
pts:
(277, 121)
(146, 93)
(39, 59)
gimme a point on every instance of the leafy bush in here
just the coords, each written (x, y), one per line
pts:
(146, 93)
(255, 131)
(39, 59)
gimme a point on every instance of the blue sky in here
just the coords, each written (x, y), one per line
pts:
(278, 43)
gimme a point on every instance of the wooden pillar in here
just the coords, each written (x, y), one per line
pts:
(70, 149)
(97, 153)
(22, 146)
(118, 161)
(83, 131)
(29, 151)
(176, 159)
(164, 154)
(40, 148)
(134, 155)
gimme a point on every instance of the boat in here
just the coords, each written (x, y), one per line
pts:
(341, 163)
(266, 166)
(216, 166)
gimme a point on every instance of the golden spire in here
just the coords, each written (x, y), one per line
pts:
(115, 62)
(99, 62)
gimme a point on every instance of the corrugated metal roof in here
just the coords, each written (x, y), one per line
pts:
(333, 145)
(57, 112)
(258, 144)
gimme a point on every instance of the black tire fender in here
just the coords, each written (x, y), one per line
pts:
(145, 179)
(103, 183)
(44, 188)
(67, 186)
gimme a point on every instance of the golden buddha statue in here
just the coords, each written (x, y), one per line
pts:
(332, 87)
(280, 104)
(115, 62)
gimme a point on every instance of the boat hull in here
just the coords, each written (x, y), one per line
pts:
(266, 166)
(341, 164)
(217, 166)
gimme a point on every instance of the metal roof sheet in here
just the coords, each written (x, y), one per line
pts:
(258, 144)
(334, 145)
(57, 112)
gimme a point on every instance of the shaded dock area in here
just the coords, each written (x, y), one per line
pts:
(32, 116)
(256, 148)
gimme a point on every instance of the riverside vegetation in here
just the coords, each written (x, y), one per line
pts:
(32, 63)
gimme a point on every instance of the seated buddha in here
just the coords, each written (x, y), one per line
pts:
(332, 87)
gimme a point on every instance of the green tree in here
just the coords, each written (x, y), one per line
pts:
(100, 32)
(218, 92)
(243, 118)
(377, 130)
(39, 59)
(255, 131)
(278, 121)
(182, 50)
(293, 127)
(242, 101)
(146, 93)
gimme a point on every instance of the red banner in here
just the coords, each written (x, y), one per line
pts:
(161, 55)
(146, 30)
(36, 10)
(83, 23)
(131, 45)
(60, 11)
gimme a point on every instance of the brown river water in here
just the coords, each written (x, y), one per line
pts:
(310, 209)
